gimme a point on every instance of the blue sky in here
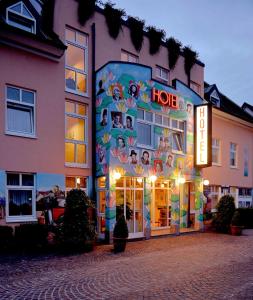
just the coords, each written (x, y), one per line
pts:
(221, 31)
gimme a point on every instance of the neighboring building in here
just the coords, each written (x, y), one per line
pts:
(48, 111)
(248, 108)
(232, 151)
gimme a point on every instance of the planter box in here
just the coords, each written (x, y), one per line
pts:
(236, 230)
(119, 244)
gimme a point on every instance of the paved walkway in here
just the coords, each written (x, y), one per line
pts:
(195, 266)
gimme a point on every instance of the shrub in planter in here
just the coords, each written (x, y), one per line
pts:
(225, 211)
(136, 27)
(86, 9)
(236, 224)
(190, 58)
(174, 50)
(246, 217)
(120, 234)
(77, 231)
(113, 19)
(31, 237)
(155, 39)
(6, 238)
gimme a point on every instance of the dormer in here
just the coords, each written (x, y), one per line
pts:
(19, 16)
(215, 98)
(212, 94)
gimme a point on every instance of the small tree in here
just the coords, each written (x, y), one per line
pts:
(225, 211)
(77, 228)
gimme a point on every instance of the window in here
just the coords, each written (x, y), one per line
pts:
(147, 121)
(195, 86)
(215, 99)
(20, 112)
(19, 16)
(76, 134)
(101, 204)
(129, 57)
(233, 155)
(20, 197)
(76, 63)
(162, 73)
(245, 192)
(76, 182)
(216, 151)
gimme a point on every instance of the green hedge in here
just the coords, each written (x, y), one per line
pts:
(6, 238)
(246, 217)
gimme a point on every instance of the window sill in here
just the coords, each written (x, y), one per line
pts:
(76, 93)
(234, 167)
(20, 219)
(29, 136)
(73, 165)
(216, 164)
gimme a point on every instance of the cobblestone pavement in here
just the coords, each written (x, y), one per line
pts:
(194, 266)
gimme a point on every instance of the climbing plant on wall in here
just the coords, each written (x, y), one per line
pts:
(190, 58)
(155, 39)
(113, 19)
(86, 9)
(136, 27)
(174, 50)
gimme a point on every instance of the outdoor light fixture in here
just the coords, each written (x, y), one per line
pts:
(206, 182)
(139, 180)
(78, 180)
(116, 175)
(181, 180)
(152, 178)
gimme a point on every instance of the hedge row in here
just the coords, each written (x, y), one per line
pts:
(246, 217)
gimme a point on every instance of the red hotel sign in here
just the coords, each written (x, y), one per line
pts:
(164, 98)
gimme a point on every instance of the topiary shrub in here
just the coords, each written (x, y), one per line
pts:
(120, 234)
(113, 19)
(6, 238)
(246, 217)
(86, 9)
(136, 27)
(190, 58)
(174, 50)
(77, 229)
(155, 39)
(225, 211)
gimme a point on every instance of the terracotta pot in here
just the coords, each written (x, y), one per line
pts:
(236, 230)
(119, 244)
(41, 220)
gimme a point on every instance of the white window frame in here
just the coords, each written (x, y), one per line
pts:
(23, 188)
(236, 155)
(76, 184)
(218, 148)
(159, 73)
(86, 53)
(135, 58)
(24, 104)
(85, 118)
(174, 130)
(21, 15)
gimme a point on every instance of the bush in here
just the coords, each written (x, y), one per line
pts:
(236, 220)
(6, 238)
(77, 230)
(121, 229)
(246, 217)
(31, 237)
(225, 211)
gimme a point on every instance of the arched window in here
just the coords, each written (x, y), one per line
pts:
(19, 16)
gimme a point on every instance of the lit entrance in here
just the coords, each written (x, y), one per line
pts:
(129, 200)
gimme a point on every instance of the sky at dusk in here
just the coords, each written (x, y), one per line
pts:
(221, 31)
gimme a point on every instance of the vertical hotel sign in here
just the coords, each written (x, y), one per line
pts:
(203, 135)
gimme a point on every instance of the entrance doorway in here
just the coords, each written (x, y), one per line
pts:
(129, 200)
(187, 206)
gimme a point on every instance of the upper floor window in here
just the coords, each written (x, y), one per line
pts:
(19, 16)
(76, 134)
(20, 112)
(127, 56)
(76, 63)
(233, 155)
(215, 99)
(20, 197)
(195, 86)
(162, 73)
(216, 151)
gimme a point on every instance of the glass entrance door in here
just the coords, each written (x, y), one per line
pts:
(129, 200)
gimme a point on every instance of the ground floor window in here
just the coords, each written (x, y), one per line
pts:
(76, 182)
(129, 201)
(20, 197)
(161, 204)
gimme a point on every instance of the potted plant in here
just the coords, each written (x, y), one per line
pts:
(120, 235)
(113, 17)
(174, 50)
(156, 37)
(136, 27)
(208, 221)
(190, 58)
(85, 10)
(236, 228)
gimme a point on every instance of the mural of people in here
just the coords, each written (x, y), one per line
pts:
(169, 161)
(121, 143)
(133, 89)
(160, 143)
(158, 165)
(104, 118)
(167, 146)
(133, 157)
(116, 119)
(101, 89)
(101, 155)
(189, 108)
(145, 157)
(116, 92)
(129, 123)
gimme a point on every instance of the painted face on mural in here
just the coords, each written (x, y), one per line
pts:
(169, 161)
(145, 158)
(104, 118)
(116, 93)
(121, 143)
(129, 122)
(133, 90)
(116, 123)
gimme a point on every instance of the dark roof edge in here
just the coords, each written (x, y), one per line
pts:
(100, 10)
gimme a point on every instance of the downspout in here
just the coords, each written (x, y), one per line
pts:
(93, 62)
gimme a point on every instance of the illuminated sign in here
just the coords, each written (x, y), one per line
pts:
(203, 135)
(164, 98)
